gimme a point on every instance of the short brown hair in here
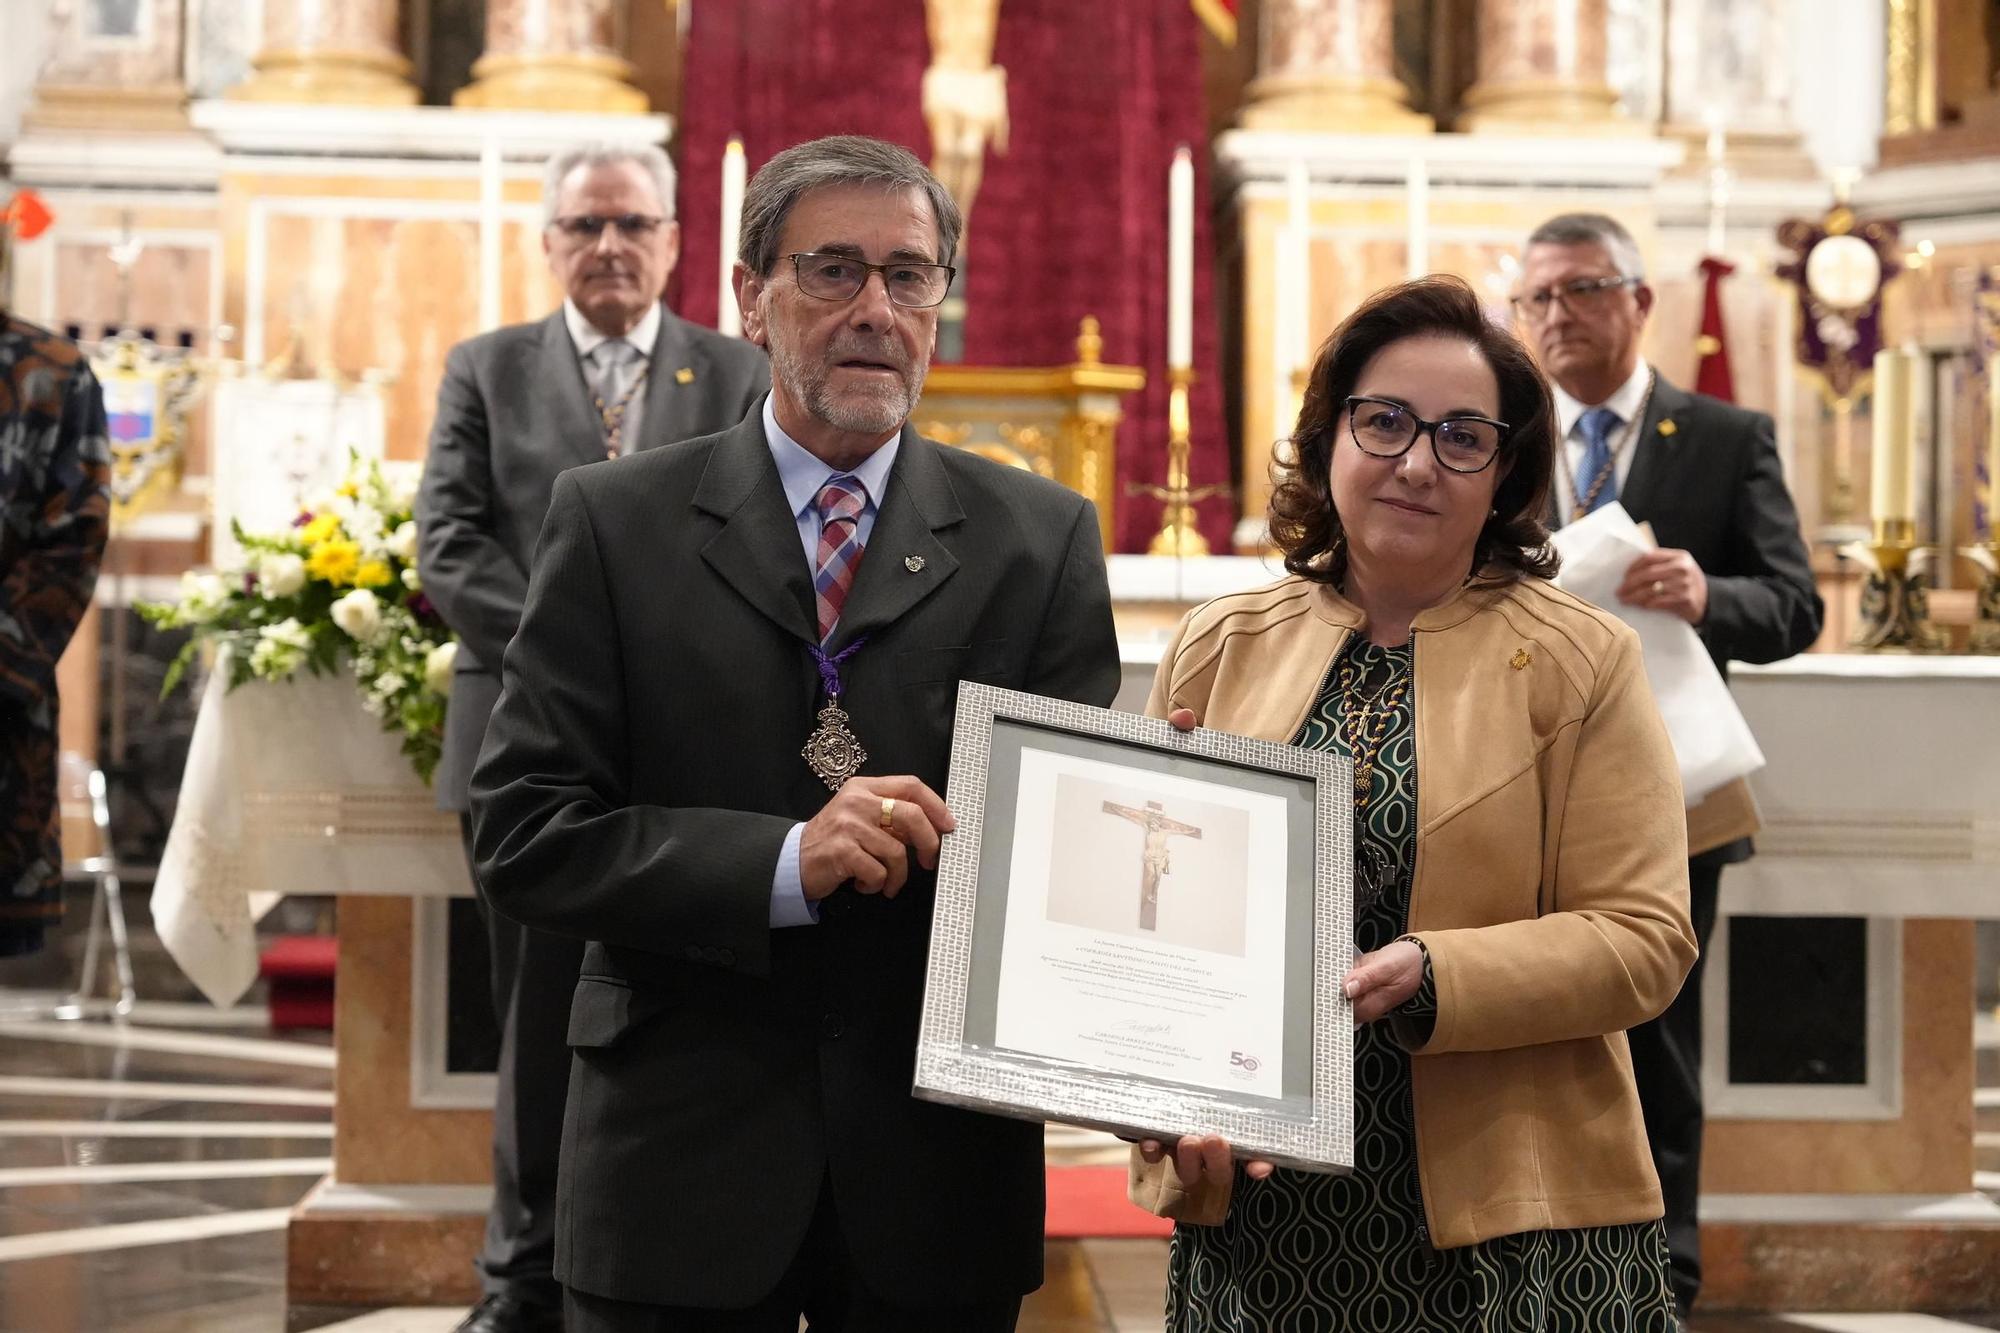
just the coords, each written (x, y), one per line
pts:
(1514, 543)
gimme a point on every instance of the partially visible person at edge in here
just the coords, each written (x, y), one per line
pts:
(55, 502)
(1730, 562)
(1517, 907)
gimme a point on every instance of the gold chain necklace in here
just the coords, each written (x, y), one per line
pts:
(1365, 728)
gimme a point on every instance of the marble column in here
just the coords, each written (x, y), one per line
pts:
(334, 51)
(1329, 65)
(1542, 70)
(1729, 68)
(553, 55)
(114, 65)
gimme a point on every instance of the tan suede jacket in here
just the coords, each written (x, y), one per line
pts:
(1550, 887)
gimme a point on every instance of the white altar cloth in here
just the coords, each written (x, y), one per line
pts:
(290, 788)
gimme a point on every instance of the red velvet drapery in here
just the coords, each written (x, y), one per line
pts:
(1071, 222)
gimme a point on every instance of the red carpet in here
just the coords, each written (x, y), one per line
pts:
(1090, 1201)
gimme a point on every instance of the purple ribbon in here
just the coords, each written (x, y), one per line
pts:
(829, 667)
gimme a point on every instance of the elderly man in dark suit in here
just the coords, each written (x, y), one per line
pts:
(55, 512)
(1730, 562)
(664, 778)
(612, 372)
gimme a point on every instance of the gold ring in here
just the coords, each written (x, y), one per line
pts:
(1658, 587)
(888, 819)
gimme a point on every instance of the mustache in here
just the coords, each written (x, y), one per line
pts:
(883, 350)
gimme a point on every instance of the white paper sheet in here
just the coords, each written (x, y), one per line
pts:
(1711, 740)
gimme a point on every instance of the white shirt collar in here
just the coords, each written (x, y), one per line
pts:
(1625, 402)
(587, 336)
(803, 473)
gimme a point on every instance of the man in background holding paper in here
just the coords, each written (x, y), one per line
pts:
(1727, 559)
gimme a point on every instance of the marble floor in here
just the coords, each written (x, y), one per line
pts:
(147, 1168)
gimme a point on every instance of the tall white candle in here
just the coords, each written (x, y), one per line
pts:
(1180, 261)
(728, 319)
(1889, 480)
(1294, 280)
(1993, 447)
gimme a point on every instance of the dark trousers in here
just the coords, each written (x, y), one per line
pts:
(1666, 1061)
(534, 978)
(819, 1284)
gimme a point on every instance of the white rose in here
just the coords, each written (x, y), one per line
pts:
(401, 479)
(280, 650)
(287, 633)
(202, 596)
(411, 581)
(437, 666)
(359, 614)
(280, 574)
(403, 543)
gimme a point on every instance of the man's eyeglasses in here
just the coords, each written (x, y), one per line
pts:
(841, 278)
(1384, 428)
(589, 226)
(1578, 295)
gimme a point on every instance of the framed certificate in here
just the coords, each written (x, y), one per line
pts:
(1143, 930)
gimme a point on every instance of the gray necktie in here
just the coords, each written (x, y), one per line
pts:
(616, 366)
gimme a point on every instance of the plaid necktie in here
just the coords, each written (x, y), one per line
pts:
(839, 502)
(1598, 480)
(619, 369)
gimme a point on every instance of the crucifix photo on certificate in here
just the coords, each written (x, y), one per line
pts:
(1142, 930)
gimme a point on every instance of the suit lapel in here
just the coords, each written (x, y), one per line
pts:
(672, 382)
(582, 432)
(904, 561)
(1657, 450)
(757, 551)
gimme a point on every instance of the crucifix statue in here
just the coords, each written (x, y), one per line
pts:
(1154, 864)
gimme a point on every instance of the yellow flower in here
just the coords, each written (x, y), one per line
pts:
(334, 561)
(319, 530)
(348, 489)
(373, 574)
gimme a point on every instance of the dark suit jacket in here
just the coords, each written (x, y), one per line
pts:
(1711, 485)
(514, 410)
(637, 783)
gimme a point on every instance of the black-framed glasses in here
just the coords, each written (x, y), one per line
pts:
(841, 278)
(589, 226)
(1578, 295)
(1385, 428)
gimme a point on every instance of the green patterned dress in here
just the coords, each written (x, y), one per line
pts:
(1306, 1253)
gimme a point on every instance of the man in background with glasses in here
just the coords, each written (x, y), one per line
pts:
(1731, 562)
(726, 722)
(610, 373)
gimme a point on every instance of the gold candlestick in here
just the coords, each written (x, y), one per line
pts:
(1895, 597)
(1178, 535)
(1985, 636)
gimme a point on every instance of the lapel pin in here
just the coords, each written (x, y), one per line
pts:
(1519, 659)
(914, 563)
(1668, 427)
(685, 375)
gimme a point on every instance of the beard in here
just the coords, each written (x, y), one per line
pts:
(871, 408)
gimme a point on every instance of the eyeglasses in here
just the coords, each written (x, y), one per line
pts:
(1384, 428)
(1578, 295)
(841, 278)
(589, 226)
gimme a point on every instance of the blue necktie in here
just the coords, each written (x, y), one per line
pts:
(1597, 424)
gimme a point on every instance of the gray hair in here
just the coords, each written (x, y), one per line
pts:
(646, 156)
(843, 159)
(1594, 229)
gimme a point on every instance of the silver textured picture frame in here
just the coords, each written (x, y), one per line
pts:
(1057, 899)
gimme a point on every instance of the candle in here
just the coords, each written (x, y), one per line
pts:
(1294, 279)
(1417, 195)
(1889, 486)
(728, 319)
(1993, 447)
(1180, 261)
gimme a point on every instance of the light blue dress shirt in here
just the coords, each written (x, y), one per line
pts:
(802, 475)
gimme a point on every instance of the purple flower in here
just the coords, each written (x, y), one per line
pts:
(249, 583)
(305, 517)
(421, 608)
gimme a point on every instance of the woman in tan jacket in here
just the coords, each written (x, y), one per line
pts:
(1520, 878)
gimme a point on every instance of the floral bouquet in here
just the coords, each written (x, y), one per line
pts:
(339, 586)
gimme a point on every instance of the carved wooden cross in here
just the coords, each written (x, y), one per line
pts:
(1154, 854)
